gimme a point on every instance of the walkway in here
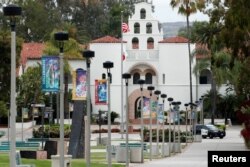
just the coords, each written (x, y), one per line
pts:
(195, 155)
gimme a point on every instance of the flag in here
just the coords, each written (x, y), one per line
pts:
(125, 27)
(124, 54)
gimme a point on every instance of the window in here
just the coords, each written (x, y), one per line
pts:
(143, 14)
(150, 43)
(135, 43)
(205, 77)
(137, 28)
(148, 78)
(149, 28)
(136, 77)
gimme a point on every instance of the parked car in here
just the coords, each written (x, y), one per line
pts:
(210, 131)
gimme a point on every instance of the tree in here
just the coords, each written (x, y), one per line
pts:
(188, 7)
(72, 50)
(215, 57)
(29, 87)
(39, 19)
(234, 16)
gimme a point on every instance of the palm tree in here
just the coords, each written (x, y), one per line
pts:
(188, 7)
(218, 62)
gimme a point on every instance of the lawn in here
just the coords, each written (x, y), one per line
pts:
(97, 160)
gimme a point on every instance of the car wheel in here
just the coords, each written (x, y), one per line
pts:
(211, 136)
(204, 137)
(221, 137)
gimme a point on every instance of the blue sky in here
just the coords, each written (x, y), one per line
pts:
(165, 13)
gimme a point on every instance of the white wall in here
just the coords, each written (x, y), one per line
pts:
(107, 52)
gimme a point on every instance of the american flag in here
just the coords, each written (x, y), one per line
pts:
(125, 27)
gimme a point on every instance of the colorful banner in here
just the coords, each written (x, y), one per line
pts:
(79, 91)
(160, 113)
(154, 109)
(146, 107)
(50, 73)
(101, 92)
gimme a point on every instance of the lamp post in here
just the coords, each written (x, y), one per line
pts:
(163, 96)
(141, 82)
(61, 37)
(202, 111)
(179, 137)
(186, 105)
(157, 93)
(126, 76)
(170, 99)
(150, 89)
(88, 54)
(195, 116)
(108, 65)
(13, 11)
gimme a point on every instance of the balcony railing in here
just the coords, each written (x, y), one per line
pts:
(133, 55)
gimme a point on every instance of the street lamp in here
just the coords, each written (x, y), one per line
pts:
(88, 54)
(61, 37)
(202, 111)
(157, 93)
(163, 96)
(179, 137)
(108, 65)
(126, 76)
(13, 11)
(170, 99)
(150, 89)
(192, 124)
(141, 82)
(186, 115)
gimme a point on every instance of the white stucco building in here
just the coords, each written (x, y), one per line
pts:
(162, 63)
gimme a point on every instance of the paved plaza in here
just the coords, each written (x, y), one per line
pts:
(195, 154)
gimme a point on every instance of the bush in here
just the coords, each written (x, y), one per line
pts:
(52, 131)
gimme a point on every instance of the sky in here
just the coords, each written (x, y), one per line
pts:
(165, 13)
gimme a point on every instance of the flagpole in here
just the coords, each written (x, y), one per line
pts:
(122, 109)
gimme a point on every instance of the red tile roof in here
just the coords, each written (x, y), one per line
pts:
(174, 40)
(31, 50)
(107, 39)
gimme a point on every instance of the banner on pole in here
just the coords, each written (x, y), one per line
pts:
(79, 91)
(160, 113)
(50, 73)
(146, 107)
(101, 92)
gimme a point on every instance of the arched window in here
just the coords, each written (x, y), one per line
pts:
(135, 43)
(143, 14)
(149, 28)
(148, 78)
(136, 77)
(137, 28)
(150, 43)
(205, 77)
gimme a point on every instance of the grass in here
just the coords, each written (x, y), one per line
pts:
(97, 160)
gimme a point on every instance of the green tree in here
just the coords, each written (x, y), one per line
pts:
(235, 18)
(39, 19)
(188, 7)
(72, 50)
(29, 87)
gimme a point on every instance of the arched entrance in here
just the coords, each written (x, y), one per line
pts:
(134, 101)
